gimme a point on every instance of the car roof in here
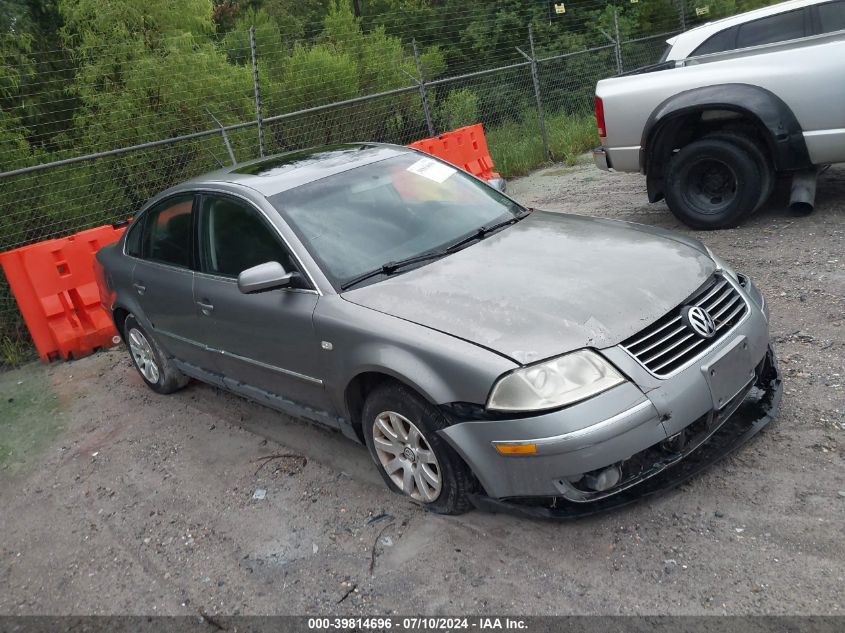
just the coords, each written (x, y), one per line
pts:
(685, 43)
(281, 172)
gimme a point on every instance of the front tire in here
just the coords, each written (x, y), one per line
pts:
(400, 430)
(149, 359)
(712, 184)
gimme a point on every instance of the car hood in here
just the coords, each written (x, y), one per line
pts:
(550, 284)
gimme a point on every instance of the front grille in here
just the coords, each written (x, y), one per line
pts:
(668, 344)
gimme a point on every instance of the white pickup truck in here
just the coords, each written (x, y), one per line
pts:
(712, 132)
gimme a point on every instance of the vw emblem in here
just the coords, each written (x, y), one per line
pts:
(699, 321)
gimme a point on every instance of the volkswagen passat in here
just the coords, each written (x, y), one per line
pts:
(482, 351)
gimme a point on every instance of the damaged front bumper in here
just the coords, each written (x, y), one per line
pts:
(755, 410)
(522, 484)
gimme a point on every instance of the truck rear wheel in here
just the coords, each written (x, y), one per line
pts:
(712, 184)
(752, 148)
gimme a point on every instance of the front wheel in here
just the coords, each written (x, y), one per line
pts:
(400, 430)
(712, 184)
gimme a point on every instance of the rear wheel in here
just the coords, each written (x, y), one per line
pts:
(400, 429)
(753, 149)
(712, 184)
(155, 368)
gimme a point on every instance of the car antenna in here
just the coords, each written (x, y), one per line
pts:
(225, 138)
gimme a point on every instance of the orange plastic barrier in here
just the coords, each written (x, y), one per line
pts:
(465, 147)
(54, 285)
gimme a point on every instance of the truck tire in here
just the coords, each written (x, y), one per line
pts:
(712, 184)
(753, 149)
(400, 430)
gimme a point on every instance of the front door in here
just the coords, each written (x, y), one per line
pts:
(163, 279)
(265, 340)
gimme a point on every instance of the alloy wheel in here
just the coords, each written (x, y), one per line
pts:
(143, 354)
(407, 457)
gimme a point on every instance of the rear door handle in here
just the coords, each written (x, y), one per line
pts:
(141, 288)
(206, 308)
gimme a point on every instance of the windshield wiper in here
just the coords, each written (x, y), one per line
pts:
(392, 267)
(484, 231)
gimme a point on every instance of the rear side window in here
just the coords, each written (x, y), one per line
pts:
(831, 17)
(133, 238)
(168, 231)
(775, 28)
(718, 42)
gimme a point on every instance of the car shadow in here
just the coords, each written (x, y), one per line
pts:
(309, 439)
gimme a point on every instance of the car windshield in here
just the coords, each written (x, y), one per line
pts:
(402, 207)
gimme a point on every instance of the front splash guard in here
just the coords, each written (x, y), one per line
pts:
(758, 408)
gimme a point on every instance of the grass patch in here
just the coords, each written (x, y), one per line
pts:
(14, 352)
(28, 417)
(517, 148)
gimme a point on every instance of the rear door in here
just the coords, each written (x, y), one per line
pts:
(163, 278)
(265, 340)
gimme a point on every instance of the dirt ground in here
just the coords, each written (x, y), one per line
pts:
(115, 500)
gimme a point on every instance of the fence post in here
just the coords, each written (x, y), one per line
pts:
(423, 91)
(682, 14)
(617, 42)
(257, 88)
(535, 79)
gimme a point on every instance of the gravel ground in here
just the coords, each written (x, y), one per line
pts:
(117, 500)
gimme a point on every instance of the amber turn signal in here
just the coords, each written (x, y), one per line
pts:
(516, 449)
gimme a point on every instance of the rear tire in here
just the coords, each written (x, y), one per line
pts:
(753, 149)
(400, 430)
(712, 184)
(149, 359)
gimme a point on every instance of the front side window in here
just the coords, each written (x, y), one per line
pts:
(371, 216)
(234, 237)
(166, 237)
(775, 28)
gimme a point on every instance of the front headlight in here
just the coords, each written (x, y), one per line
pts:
(554, 383)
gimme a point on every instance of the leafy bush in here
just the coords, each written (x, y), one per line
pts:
(459, 108)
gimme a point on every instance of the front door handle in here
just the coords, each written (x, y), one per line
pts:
(206, 308)
(141, 288)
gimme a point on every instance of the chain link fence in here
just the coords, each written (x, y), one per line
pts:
(525, 94)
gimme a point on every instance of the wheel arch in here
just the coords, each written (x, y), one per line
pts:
(682, 118)
(364, 382)
(119, 314)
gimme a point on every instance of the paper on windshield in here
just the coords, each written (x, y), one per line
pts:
(431, 169)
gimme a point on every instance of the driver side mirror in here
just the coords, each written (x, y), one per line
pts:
(267, 276)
